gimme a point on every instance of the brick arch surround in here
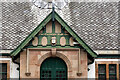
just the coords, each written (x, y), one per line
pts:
(60, 55)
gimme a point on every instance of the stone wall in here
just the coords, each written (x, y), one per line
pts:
(37, 56)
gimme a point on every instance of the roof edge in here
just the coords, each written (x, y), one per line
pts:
(81, 42)
(42, 24)
(31, 35)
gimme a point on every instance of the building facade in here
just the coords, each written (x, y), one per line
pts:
(80, 41)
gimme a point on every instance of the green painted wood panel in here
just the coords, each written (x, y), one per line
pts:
(53, 69)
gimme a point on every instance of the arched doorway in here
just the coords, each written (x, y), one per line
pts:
(53, 69)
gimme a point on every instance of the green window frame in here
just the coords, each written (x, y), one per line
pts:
(112, 72)
(3, 71)
(101, 71)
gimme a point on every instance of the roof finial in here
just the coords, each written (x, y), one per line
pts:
(53, 12)
(53, 6)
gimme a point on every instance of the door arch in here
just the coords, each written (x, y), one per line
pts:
(53, 68)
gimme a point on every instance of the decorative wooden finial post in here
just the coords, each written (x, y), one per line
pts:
(53, 12)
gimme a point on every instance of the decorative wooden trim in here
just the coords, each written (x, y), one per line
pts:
(4, 54)
(62, 41)
(113, 56)
(44, 41)
(81, 42)
(96, 71)
(107, 71)
(53, 26)
(58, 49)
(55, 41)
(51, 46)
(71, 41)
(31, 35)
(35, 41)
(64, 25)
(117, 71)
(8, 67)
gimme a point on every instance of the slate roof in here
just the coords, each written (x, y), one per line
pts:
(95, 22)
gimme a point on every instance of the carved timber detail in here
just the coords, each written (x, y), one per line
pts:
(44, 41)
(71, 41)
(62, 41)
(35, 41)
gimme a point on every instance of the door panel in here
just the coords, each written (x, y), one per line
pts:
(53, 69)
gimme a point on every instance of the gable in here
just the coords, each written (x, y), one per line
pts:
(44, 37)
(53, 26)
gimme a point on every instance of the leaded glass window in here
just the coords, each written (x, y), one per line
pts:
(112, 72)
(3, 71)
(101, 72)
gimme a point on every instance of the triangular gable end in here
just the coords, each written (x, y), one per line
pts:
(42, 24)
